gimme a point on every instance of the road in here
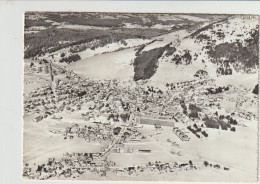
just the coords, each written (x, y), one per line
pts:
(113, 144)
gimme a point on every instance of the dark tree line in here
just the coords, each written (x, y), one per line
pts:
(217, 90)
(70, 59)
(49, 40)
(146, 63)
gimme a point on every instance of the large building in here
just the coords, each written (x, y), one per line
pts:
(151, 121)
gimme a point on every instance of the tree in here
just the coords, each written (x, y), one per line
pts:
(194, 114)
(211, 123)
(206, 163)
(204, 133)
(217, 166)
(185, 111)
(233, 129)
(190, 162)
(221, 117)
(116, 130)
(187, 57)
(193, 107)
(255, 91)
(177, 59)
(62, 55)
(232, 121)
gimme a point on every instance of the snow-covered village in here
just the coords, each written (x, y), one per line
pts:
(140, 97)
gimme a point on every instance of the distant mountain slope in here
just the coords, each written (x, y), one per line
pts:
(53, 39)
(172, 47)
(234, 42)
(227, 47)
(47, 32)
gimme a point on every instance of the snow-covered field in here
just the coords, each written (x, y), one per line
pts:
(246, 80)
(170, 73)
(156, 26)
(112, 47)
(53, 22)
(240, 157)
(115, 65)
(40, 144)
(83, 27)
(108, 48)
(193, 18)
(163, 40)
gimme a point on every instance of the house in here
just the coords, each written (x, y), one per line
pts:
(38, 118)
(144, 151)
(115, 150)
(56, 117)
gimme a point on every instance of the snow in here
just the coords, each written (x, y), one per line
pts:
(38, 28)
(154, 45)
(171, 73)
(168, 17)
(246, 80)
(241, 155)
(40, 144)
(112, 47)
(155, 26)
(166, 39)
(82, 27)
(235, 28)
(131, 26)
(193, 18)
(115, 65)
(27, 32)
(53, 22)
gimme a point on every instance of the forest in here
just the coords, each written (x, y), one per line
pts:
(146, 63)
(50, 39)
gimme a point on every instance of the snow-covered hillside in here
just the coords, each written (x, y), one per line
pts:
(175, 68)
(184, 54)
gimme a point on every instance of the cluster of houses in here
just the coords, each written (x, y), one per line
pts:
(53, 57)
(40, 69)
(97, 133)
(72, 165)
(110, 105)
(101, 133)
(155, 167)
(115, 102)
